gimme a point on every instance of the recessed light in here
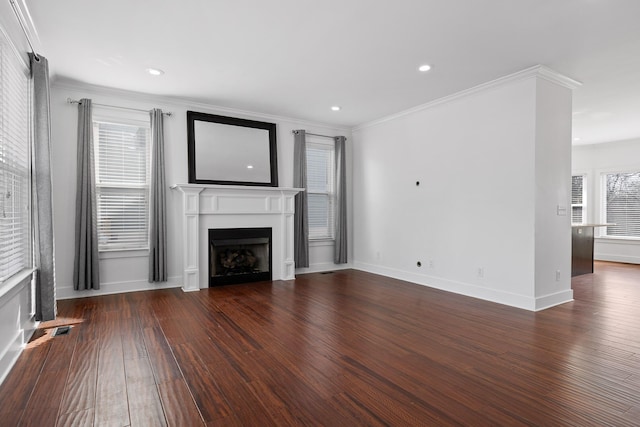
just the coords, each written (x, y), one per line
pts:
(336, 108)
(424, 68)
(576, 139)
(249, 166)
(155, 71)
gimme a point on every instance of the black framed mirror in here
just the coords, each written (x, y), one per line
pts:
(231, 151)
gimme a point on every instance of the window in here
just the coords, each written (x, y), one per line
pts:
(122, 184)
(622, 204)
(15, 183)
(321, 190)
(578, 199)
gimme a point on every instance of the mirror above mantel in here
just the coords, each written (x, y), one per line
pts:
(231, 151)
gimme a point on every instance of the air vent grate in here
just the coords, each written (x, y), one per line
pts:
(62, 330)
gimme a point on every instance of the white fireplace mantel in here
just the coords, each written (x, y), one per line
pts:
(229, 206)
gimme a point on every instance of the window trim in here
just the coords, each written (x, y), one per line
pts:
(14, 57)
(322, 143)
(602, 232)
(127, 118)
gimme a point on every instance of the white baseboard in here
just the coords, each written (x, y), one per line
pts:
(552, 300)
(67, 292)
(322, 267)
(470, 290)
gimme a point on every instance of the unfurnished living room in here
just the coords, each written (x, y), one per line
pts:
(335, 213)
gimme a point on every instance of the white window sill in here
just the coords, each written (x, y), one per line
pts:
(322, 242)
(15, 280)
(619, 240)
(123, 253)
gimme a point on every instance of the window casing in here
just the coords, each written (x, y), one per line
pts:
(621, 204)
(15, 172)
(121, 155)
(321, 190)
(578, 199)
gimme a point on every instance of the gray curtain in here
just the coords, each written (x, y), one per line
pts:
(340, 252)
(85, 268)
(301, 220)
(45, 280)
(157, 211)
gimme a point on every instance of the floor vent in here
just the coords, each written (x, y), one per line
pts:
(327, 272)
(62, 330)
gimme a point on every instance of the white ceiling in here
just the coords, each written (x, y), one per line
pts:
(297, 58)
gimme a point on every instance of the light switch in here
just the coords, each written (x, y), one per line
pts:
(562, 210)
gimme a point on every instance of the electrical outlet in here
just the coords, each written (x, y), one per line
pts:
(480, 272)
(557, 275)
(378, 256)
(431, 264)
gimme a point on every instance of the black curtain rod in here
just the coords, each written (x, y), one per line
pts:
(321, 136)
(317, 134)
(73, 101)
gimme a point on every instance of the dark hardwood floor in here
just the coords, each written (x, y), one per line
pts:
(342, 349)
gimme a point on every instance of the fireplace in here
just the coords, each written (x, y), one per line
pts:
(239, 255)
(206, 207)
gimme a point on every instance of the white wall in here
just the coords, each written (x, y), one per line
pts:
(553, 192)
(472, 220)
(127, 271)
(594, 160)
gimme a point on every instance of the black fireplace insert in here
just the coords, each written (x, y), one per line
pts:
(239, 255)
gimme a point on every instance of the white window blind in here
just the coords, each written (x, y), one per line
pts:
(321, 190)
(622, 204)
(15, 226)
(578, 199)
(122, 184)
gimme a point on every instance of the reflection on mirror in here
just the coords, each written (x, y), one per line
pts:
(229, 150)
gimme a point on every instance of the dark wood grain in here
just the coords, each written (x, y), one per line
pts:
(348, 348)
(179, 406)
(80, 387)
(44, 402)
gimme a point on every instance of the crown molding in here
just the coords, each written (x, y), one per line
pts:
(186, 103)
(537, 71)
(552, 76)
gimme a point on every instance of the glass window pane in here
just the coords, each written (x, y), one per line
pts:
(623, 204)
(122, 175)
(318, 168)
(576, 214)
(320, 190)
(15, 182)
(576, 189)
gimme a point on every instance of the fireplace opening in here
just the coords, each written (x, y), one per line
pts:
(239, 255)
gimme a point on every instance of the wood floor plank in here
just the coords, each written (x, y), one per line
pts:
(348, 348)
(44, 402)
(20, 382)
(145, 407)
(179, 407)
(202, 384)
(83, 418)
(111, 406)
(80, 388)
(162, 360)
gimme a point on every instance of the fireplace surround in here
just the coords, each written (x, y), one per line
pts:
(207, 207)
